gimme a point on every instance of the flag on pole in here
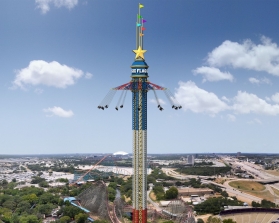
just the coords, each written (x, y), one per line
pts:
(142, 28)
(139, 16)
(144, 21)
(138, 24)
(141, 6)
(141, 34)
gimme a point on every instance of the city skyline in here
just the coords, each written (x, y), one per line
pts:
(60, 58)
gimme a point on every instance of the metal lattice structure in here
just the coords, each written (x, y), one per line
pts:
(179, 212)
(139, 86)
(100, 173)
(95, 199)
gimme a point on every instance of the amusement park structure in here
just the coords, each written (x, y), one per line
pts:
(139, 86)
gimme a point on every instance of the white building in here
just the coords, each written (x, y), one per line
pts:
(191, 160)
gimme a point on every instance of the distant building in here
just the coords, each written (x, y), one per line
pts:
(238, 154)
(191, 160)
(194, 191)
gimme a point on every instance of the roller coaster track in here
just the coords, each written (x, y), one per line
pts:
(111, 208)
(95, 199)
(93, 167)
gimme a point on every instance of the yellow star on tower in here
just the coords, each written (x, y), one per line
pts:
(139, 52)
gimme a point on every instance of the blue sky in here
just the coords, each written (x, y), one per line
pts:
(59, 58)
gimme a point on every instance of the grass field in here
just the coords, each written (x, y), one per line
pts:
(152, 196)
(253, 188)
(247, 185)
(262, 194)
(273, 172)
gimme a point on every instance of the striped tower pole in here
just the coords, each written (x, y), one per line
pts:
(139, 119)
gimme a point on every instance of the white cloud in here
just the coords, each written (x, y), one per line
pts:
(231, 118)
(275, 98)
(246, 103)
(44, 5)
(53, 74)
(39, 91)
(198, 100)
(212, 74)
(267, 98)
(261, 81)
(254, 80)
(161, 101)
(224, 98)
(266, 80)
(255, 121)
(88, 75)
(247, 55)
(59, 112)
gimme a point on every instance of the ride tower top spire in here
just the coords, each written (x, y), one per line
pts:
(139, 51)
(139, 67)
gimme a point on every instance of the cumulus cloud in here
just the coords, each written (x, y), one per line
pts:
(231, 117)
(53, 74)
(259, 81)
(44, 5)
(212, 74)
(198, 100)
(247, 55)
(58, 111)
(254, 80)
(275, 98)
(246, 103)
(224, 98)
(88, 75)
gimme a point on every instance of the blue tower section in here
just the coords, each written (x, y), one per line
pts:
(139, 88)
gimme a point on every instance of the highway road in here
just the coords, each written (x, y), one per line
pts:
(255, 170)
(233, 192)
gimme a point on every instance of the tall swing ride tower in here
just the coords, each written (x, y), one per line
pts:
(139, 86)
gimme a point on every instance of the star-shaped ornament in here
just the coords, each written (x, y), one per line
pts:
(139, 52)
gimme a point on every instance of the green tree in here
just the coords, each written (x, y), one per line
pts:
(4, 182)
(200, 220)
(31, 198)
(224, 193)
(45, 208)
(113, 185)
(111, 193)
(213, 220)
(48, 198)
(267, 204)
(10, 204)
(255, 204)
(23, 206)
(178, 183)
(172, 193)
(43, 184)
(65, 219)
(229, 221)
(71, 211)
(81, 218)
(29, 219)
